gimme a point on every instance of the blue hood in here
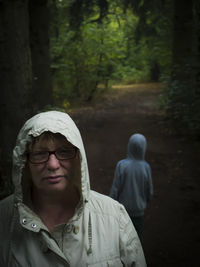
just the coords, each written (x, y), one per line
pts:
(137, 147)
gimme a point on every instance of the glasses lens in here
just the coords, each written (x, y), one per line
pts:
(66, 153)
(43, 156)
(38, 157)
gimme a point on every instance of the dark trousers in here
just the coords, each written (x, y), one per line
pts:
(138, 223)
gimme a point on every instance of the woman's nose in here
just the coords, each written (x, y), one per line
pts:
(53, 163)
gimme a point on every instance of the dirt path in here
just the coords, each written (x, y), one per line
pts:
(172, 220)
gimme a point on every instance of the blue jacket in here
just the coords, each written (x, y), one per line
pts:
(132, 185)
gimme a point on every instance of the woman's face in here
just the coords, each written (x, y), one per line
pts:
(54, 175)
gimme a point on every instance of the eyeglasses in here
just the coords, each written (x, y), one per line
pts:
(43, 156)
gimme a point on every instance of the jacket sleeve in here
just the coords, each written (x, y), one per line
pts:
(116, 185)
(149, 184)
(6, 212)
(130, 247)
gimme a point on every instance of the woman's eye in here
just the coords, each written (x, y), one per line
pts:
(64, 152)
(39, 153)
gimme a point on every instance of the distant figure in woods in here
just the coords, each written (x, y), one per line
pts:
(54, 218)
(132, 185)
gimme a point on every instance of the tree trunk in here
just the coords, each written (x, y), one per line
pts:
(185, 86)
(39, 38)
(196, 47)
(182, 35)
(186, 39)
(15, 79)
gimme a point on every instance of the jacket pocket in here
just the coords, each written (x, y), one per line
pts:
(108, 263)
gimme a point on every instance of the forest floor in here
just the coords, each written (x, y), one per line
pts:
(172, 219)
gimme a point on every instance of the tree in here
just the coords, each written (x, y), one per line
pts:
(39, 44)
(15, 77)
(184, 87)
(122, 40)
(20, 98)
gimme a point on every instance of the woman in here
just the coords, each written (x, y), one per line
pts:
(53, 218)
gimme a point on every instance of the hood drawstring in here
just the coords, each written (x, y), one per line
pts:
(89, 236)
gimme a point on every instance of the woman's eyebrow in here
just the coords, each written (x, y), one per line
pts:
(66, 147)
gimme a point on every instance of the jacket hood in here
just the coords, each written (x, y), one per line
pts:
(55, 122)
(137, 146)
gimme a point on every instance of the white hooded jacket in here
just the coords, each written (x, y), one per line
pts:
(99, 234)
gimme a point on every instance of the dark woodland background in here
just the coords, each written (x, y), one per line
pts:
(117, 67)
(61, 54)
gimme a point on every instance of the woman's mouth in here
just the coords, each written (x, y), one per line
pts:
(54, 179)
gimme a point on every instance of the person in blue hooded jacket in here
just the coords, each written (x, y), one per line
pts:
(132, 185)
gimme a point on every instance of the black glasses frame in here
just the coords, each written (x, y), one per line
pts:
(50, 153)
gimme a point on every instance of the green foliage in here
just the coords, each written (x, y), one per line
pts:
(182, 100)
(182, 97)
(94, 43)
(102, 47)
